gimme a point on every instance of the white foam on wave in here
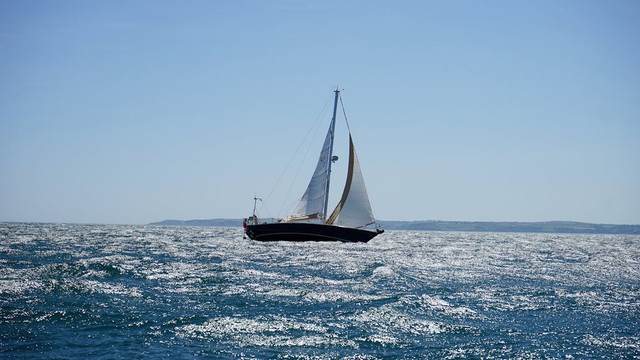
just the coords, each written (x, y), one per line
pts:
(337, 295)
(263, 331)
(285, 292)
(437, 303)
(499, 300)
(121, 263)
(186, 272)
(383, 339)
(259, 274)
(308, 290)
(110, 289)
(391, 326)
(384, 272)
(18, 286)
(612, 300)
(620, 342)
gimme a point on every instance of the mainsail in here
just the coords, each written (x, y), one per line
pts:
(311, 205)
(354, 208)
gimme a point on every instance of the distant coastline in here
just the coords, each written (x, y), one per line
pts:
(561, 227)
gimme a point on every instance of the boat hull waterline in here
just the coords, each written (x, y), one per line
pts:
(308, 232)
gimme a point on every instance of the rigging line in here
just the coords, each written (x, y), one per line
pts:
(264, 206)
(304, 139)
(344, 113)
(290, 205)
(315, 126)
(295, 177)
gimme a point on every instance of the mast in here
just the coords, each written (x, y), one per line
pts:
(332, 127)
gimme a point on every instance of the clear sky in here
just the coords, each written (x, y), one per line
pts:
(139, 111)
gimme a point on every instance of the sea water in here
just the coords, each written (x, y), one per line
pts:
(103, 292)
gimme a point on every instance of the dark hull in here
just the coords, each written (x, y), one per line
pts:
(308, 232)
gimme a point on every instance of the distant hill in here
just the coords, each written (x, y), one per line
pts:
(437, 225)
(210, 222)
(537, 227)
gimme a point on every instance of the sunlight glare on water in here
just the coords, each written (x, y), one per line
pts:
(76, 291)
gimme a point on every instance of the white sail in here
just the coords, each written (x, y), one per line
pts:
(312, 202)
(354, 208)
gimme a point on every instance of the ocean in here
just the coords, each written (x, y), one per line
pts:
(113, 291)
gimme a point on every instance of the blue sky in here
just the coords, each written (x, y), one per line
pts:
(139, 111)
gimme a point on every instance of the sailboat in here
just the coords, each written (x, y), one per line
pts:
(350, 221)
